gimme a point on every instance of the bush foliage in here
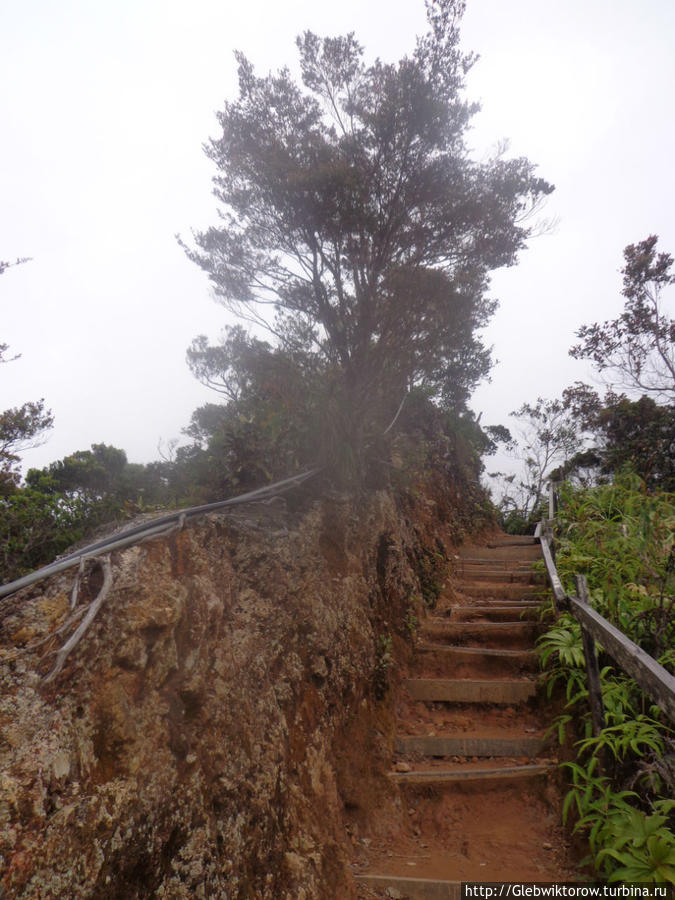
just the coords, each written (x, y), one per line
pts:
(623, 780)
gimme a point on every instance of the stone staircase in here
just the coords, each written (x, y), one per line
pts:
(472, 766)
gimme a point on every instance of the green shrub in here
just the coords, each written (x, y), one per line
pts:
(620, 537)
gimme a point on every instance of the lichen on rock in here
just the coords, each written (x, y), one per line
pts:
(216, 727)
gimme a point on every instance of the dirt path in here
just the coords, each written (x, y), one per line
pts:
(476, 776)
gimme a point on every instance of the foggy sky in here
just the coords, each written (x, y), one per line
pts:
(104, 110)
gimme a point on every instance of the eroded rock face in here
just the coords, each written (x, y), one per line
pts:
(204, 738)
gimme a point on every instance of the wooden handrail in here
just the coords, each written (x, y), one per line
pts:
(545, 540)
(650, 675)
(654, 680)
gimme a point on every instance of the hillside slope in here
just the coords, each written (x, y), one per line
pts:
(206, 736)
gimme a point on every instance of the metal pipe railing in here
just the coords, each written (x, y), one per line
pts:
(155, 527)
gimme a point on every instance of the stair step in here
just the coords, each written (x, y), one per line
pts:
(469, 745)
(414, 888)
(477, 633)
(509, 564)
(478, 652)
(474, 570)
(496, 613)
(501, 576)
(492, 603)
(474, 766)
(464, 774)
(504, 591)
(514, 540)
(518, 555)
(462, 662)
(447, 625)
(451, 690)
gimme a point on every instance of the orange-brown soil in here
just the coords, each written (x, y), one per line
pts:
(483, 816)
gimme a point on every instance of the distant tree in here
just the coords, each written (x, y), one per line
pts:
(270, 424)
(34, 528)
(87, 474)
(639, 434)
(228, 367)
(3, 349)
(21, 427)
(356, 228)
(206, 421)
(637, 349)
(103, 482)
(493, 436)
(548, 437)
(588, 438)
(3, 268)
(17, 262)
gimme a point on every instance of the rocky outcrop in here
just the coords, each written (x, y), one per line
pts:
(218, 725)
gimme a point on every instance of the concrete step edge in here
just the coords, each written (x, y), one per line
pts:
(517, 540)
(509, 587)
(525, 745)
(484, 682)
(462, 776)
(415, 888)
(467, 690)
(505, 566)
(500, 561)
(495, 574)
(449, 625)
(505, 614)
(506, 606)
(491, 603)
(496, 652)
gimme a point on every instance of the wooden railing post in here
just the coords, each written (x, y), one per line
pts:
(592, 666)
(650, 675)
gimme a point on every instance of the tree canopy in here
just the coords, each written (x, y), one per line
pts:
(620, 432)
(637, 349)
(356, 227)
(589, 438)
(21, 427)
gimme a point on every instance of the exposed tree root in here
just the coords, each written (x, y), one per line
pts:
(66, 625)
(76, 584)
(94, 606)
(90, 611)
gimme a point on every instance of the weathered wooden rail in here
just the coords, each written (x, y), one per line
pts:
(652, 677)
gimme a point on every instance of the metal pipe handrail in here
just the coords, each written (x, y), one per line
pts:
(152, 529)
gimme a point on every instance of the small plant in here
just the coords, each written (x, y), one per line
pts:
(431, 570)
(640, 842)
(632, 736)
(620, 537)
(384, 658)
(411, 623)
(563, 640)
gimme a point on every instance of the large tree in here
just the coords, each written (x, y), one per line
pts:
(355, 225)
